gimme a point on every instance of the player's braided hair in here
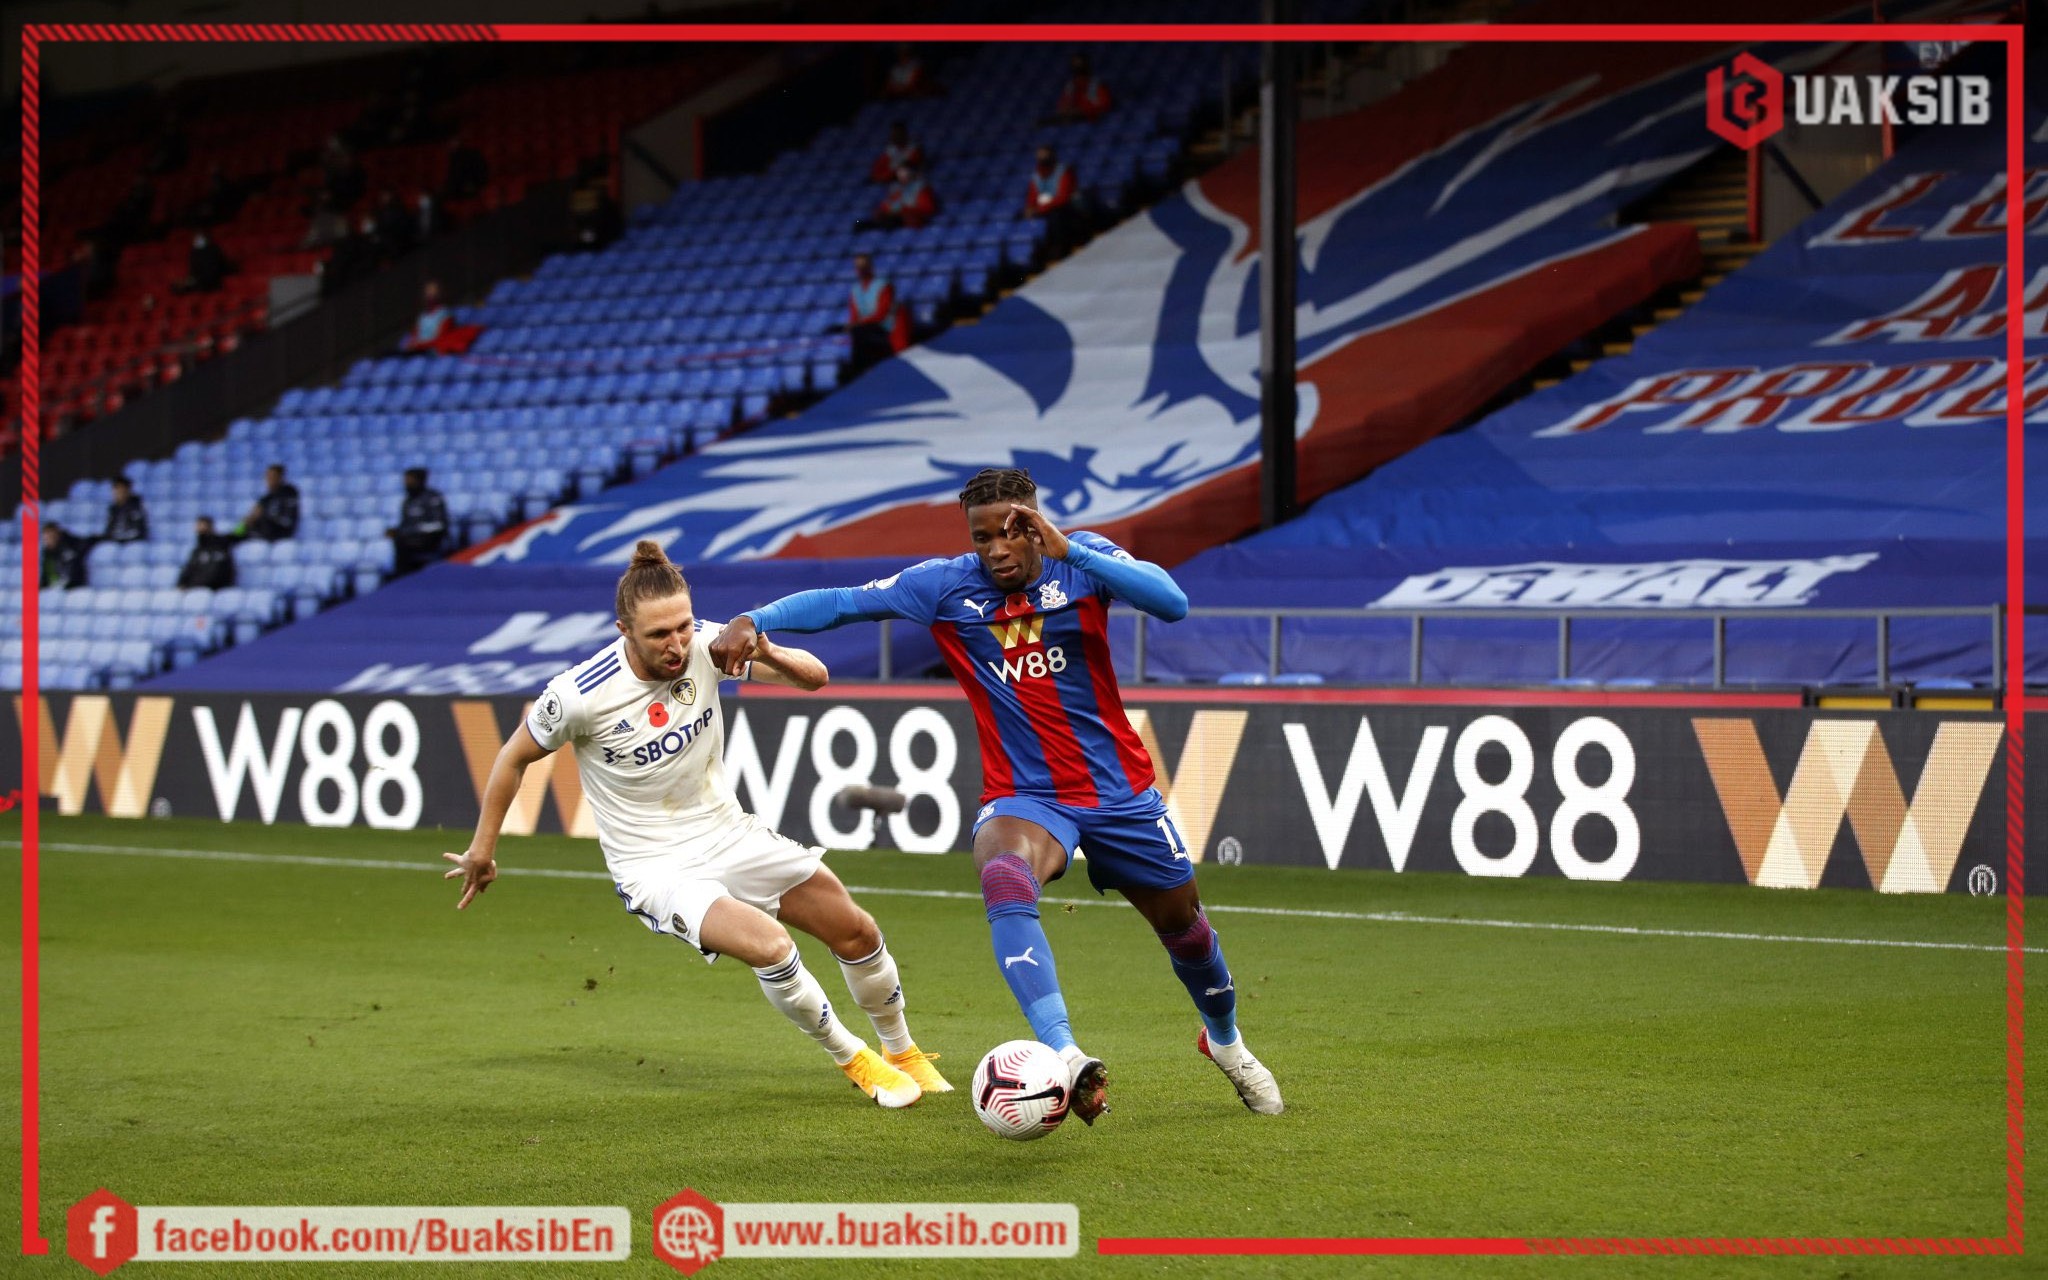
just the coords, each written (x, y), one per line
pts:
(651, 576)
(999, 484)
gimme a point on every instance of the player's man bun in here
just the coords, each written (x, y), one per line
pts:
(649, 576)
(999, 484)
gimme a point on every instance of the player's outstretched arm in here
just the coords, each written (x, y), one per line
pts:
(781, 664)
(1136, 582)
(733, 648)
(478, 864)
(905, 595)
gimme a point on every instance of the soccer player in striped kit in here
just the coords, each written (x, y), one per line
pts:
(642, 717)
(1023, 624)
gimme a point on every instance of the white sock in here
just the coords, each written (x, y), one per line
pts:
(1072, 1056)
(791, 988)
(1229, 1055)
(879, 993)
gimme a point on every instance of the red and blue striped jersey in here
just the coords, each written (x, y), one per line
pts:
(1035, 665)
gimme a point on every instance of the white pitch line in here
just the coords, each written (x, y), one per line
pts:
(1372, 917)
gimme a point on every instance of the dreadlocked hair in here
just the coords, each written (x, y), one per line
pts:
(999, 484)
(650, 576)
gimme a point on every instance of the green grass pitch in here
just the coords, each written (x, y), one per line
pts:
(256, 1032)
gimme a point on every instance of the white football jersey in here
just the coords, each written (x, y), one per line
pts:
(651, 753)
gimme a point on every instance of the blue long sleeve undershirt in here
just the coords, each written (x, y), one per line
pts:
(1136, 582)
(819, 610)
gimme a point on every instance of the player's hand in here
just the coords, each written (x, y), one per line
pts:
(1040, 530)
(734, 647)
(476, 872)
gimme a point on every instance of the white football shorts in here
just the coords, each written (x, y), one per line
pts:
(671, 895)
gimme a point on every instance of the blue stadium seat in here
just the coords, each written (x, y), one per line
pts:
(101, 655)
(133, 660)
(713, 416)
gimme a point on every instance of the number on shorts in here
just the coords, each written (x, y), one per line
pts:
(1174, 844)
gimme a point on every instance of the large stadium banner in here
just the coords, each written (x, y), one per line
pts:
(1451, 238)
(1828, 420)
(1901, 802)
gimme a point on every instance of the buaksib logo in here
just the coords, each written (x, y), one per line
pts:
(689, 1231)
(1745, 100)
(100, 1231)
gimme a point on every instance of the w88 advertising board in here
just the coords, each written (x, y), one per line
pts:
(1901, 802)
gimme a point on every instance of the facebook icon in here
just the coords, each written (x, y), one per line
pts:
(100, 1231)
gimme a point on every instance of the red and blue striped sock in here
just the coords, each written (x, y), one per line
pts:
(1198, 962)
(1025, 957)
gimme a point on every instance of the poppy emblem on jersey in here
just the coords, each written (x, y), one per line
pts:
(684, 691)
(1018, 631)
(1051, 597)
(657, 714)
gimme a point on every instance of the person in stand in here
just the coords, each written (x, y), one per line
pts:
(900, 151)
(327, 226)
(64, 555)
(100, 260)
(397, 232)
(422, 530)
(127, 519)
(909, 203)
(205, 266)
(428, 217)
(1050, 198)
(467, 173)
(433, 320)
(1084, 97)
(907, 76)
(870, 314)
(275, 515)
(211, 563)
(595, 217)
(354, 256)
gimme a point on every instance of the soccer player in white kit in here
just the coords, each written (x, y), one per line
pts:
(642, 716)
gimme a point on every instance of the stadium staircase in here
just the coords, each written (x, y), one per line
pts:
(1713, 199)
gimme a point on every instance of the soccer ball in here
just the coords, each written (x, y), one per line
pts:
(1020, 1090)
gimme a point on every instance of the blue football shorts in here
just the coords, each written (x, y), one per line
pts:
(1129, 845)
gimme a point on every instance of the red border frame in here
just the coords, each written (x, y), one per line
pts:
(34, 35)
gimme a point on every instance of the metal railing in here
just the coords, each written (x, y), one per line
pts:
(1717, 620)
